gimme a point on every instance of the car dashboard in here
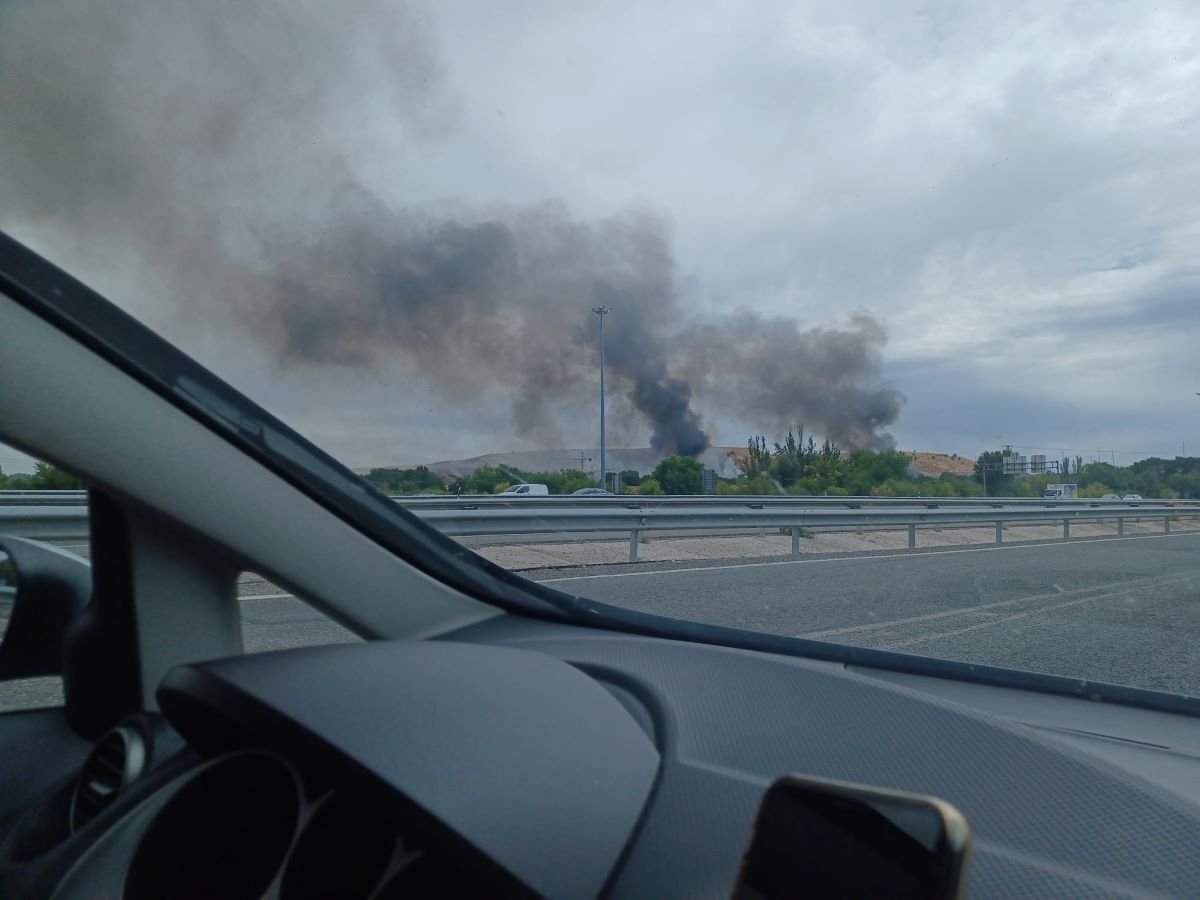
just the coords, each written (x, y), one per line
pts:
(521, 758)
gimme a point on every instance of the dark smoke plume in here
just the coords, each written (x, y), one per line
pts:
(215, 148)
(775, 373)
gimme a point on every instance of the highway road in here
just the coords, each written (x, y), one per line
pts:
(1119, 610)
(1123, 610)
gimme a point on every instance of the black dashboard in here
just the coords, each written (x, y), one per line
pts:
(519, 758)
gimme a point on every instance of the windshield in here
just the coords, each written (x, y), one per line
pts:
(830, 299)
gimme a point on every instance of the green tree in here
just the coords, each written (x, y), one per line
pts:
(828, 467)
(679, 475)
(989, 472)
(649, 486)
(756, 486)
(48, 478)
(483, 480)
(3, 480)
(758, 457)
(864, 469)
(794, 459)
(631, 477)
(1120, 479)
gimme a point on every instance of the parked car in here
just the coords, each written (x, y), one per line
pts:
(1111, 497)
(526, 490)
(592, 492)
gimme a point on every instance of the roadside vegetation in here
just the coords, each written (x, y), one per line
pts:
(797, 466)
(1154, 478)
(44, 477)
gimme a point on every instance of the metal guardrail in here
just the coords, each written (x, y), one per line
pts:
(482, 501)
(460, 501)
(607, 515)
(43, 498)
(635, 521)
(45, 523)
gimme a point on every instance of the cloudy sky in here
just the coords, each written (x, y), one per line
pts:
(1011, 189)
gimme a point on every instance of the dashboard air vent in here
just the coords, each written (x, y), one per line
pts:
(115, 761)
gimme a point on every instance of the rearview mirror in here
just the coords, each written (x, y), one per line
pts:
(42, 590)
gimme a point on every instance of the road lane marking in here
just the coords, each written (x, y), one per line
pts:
(908, 642)
(1042, 545)
(982, 608)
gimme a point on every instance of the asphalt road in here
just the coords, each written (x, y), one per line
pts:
(1119, 610)
(1125, 611)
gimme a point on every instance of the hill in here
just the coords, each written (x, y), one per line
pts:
(933, 465)
(729, 462)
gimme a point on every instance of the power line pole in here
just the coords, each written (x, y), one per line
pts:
(602, 311)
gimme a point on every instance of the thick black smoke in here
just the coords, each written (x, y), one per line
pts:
(217, 147)
(773, 372)
(503, 297)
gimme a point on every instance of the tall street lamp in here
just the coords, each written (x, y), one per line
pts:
(602, 311)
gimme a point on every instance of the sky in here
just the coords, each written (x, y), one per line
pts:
(1011, 189)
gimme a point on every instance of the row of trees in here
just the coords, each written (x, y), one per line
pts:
(799, 465)
(1152, 478)
(44, 477)
(796, 465)
(792, 466)
(484, 480)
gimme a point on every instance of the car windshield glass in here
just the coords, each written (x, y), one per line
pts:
(870, 324)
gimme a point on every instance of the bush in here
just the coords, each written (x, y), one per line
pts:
(679, 475)
(48, 478)
(406, 481)
(649, 486)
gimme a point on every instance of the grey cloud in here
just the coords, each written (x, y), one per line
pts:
(319, 268)
(948, 160)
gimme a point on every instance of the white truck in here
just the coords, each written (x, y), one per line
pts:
(1061, 492)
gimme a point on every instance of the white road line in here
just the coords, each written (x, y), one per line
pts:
(1041, 545)
(1135, 584)
(266, 596)
(1021, 615)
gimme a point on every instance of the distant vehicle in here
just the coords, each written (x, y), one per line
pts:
(1111, 497)
(525, 490)
(1061, 492)
(1132, 497)
(592, 492)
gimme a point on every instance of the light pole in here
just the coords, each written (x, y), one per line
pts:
(602, 311)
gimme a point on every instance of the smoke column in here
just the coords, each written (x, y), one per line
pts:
(213, 148)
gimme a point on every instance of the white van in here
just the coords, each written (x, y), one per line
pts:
(526, 490)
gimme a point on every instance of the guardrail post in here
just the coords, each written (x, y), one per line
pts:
(1066, 529)
(912, 536)
(795, 540)
(1166, 524)
(1120, 525)
(633, 542)
(1000, 531)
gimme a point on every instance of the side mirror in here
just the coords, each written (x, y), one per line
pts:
(43, 589)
